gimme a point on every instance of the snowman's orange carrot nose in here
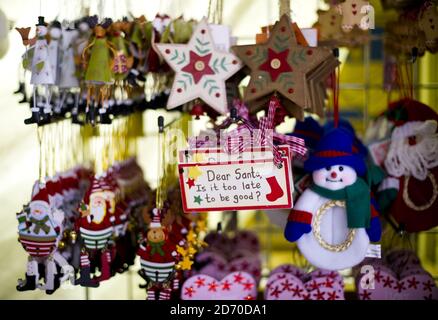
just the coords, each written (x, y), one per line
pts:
(333, 175)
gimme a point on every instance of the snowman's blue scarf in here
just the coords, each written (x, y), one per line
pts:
(357, 199)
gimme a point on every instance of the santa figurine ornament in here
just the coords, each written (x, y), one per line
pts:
(96, 230)
(410, 192)
(158, 257)
(334, 220)
(38, 231)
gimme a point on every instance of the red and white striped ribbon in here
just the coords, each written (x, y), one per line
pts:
(248, 136)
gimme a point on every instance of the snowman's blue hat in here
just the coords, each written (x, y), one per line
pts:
(347, 126)
(336, 148)
(309, 130)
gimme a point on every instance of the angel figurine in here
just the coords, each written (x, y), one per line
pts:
(99, 57)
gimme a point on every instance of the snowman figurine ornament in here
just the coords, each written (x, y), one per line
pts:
(334, 220)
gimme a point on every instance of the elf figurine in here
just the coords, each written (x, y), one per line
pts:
(158, 257)
(38, 230)
(96, 230)
(334, 220)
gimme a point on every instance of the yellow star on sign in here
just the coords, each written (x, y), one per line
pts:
(194, 172)
(186, 264)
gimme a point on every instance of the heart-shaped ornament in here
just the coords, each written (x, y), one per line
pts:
(285, 286)
(388, 287)
(234, 286)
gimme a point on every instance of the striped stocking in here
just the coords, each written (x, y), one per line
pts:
(165, 294)
(151, 295)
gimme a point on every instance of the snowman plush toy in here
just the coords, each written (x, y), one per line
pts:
(335, 219)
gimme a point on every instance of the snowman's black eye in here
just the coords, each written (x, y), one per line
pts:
(341, 168)
(328, 168)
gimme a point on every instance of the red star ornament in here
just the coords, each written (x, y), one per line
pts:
(200, 70)
(281, 65)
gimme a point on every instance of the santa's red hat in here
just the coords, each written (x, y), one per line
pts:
(41, 197)
(410, 116)
(95, 187)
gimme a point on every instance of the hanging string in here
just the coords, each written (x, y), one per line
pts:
(40, 132)
(284, 7)
(335, 88)
(160, 166)
(215, 11)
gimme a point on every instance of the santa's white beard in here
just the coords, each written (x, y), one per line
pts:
(416, 160)
(98, 213)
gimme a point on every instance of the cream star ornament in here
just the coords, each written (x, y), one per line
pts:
(200, 70)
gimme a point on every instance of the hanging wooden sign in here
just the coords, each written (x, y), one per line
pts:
(236, 185)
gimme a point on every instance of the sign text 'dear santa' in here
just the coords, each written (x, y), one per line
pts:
(236, 185)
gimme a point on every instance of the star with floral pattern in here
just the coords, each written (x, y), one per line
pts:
(280, 65)
(200, 70)
(198, 66)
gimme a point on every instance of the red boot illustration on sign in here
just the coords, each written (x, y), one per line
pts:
(276, 191)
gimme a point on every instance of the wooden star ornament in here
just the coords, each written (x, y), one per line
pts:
(200, 70)
(281, 66)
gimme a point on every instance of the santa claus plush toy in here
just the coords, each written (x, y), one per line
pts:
(38, 230)
(410, 192)
(96, 230)
(158, 257)
(334, 220)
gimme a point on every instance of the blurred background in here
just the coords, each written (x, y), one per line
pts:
(362, 97)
